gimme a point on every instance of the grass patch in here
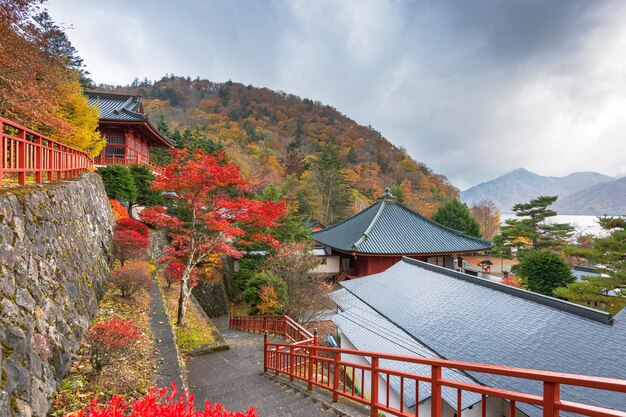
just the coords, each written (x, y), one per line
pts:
(129, 376)
(197, 331)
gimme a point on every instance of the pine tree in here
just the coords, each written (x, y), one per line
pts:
(543, 271)
(456, 215)
(605, 291)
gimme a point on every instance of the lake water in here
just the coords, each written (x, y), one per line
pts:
(583, 224)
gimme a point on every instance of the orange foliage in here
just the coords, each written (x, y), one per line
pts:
(119, 211)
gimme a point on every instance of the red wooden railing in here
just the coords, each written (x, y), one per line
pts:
(283, 326)
(24, 151)
(324, 367)
(101, 160)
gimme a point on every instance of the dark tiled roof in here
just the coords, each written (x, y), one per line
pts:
(369, 331)
(470, 319)
(389, 227)
(121, 107)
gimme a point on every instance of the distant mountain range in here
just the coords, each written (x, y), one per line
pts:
(587, 193)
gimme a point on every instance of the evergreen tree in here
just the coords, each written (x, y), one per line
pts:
(118, 183)
(532, 230)
(456, 215)
(605, 291)
(333, 193)
(142, 177)
(543, 271)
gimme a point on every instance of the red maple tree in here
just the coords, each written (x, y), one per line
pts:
(211, 191)
(128, 244)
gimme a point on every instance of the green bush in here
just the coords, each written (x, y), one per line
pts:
(544, 271)
(254, 287)
(118, 183)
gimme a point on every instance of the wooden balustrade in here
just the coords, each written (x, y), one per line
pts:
(324, 367)
(136, 160)
(24, 151)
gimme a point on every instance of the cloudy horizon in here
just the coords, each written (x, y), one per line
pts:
(472, 89)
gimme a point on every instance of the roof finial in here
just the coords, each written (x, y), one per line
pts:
(387, 194)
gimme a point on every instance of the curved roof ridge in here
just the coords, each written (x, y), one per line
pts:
(332, 226)
(367, 231)
(456, 232)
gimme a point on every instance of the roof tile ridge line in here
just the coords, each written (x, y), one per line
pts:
(545, 300)
(332, 226)
(142, 115)
(413, 337)
(456, 232)
(367, 231)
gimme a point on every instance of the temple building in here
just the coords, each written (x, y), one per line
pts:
(129, 133)
(379, 236)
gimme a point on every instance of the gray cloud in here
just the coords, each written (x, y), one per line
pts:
(471, 88)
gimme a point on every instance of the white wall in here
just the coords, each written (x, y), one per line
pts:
(330, 267)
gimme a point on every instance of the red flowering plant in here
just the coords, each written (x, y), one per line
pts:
(109, 338)
(210, 190)
(157, 403)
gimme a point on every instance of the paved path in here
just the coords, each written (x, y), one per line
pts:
(167, 357)
(235, 379)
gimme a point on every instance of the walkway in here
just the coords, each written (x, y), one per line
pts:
(235, 379)
(166, 355)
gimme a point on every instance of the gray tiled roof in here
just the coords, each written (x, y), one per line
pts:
(117, 106)
(389, 227)
(470, 319)
(369, 331)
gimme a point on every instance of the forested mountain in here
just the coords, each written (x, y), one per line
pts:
(317, 157)
(521, 185)
(604, 198)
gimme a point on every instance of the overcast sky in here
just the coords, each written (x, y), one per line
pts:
(474, 89)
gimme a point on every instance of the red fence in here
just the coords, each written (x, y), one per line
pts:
(24, 151)
(100, 160)
(283, 326)
(328, 369)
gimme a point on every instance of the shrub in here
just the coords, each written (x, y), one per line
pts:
(256, 291)
(110, 338)
(543, 271)
(132, 224)
(131, 278)
(119, 211)
(173, 273)
(158, 404)
(128, 244)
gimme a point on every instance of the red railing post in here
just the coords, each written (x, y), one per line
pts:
(311, 361)
(265, 350)
(38, 159)
(551, 395)
(435, 401)
(374, 388)
(21, 157)
(291, 364)
(336, 364)
(2, 147)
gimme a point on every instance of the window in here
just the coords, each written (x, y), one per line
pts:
(119, 140)
(131, 142)
(114, 150)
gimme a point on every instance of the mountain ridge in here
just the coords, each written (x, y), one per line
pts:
(522, 185)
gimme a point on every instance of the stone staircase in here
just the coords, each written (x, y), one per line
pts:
(235, 379)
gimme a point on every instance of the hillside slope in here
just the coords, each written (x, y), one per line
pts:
(521, 186)
(329, 165)
(605, 198)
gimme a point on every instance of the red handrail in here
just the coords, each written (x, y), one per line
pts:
(328, 368)
(283, 326)
(27, 151)
(102, 160)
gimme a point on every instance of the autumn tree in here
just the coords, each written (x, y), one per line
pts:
(128, 244)
(487, 215)
(604, 291)
(211, 191)
(294, 263)
(457, 216)
(532, 229)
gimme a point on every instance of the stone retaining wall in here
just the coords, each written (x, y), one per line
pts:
(54, 249)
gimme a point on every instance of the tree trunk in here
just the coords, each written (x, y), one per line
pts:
(185, 291)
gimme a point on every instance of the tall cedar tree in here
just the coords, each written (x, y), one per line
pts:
(609, 253)
(543, 271)
(142, 178)
(118, 183)
(210, 189)
(457, 216)
(531, 230)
